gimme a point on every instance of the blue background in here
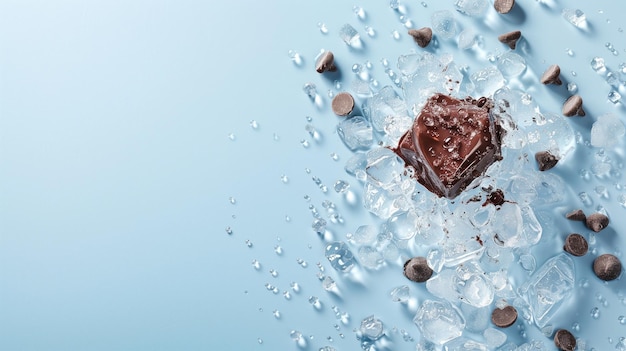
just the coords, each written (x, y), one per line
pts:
(116, 167)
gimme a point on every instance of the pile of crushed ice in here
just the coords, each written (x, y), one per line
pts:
(472, 247)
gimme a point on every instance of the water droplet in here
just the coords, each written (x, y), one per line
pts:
(295, 287)
(302, 262)
(295, 57)
(276, 137)
(572, 87)
(276, 314)
(334, 156)
(287, 295)
(278, 249)
(248, 243)
(322, 27)
(232, 200)
(284, 179)
(359, 12)
(273, 273)
(259, 340)
(569, 52)
(305, 143)
(595, 313)
(229, 230)
(254, 124)
(232, 136)
(256, 264)
(395, 34)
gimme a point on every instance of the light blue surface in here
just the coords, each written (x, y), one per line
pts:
(116, 170)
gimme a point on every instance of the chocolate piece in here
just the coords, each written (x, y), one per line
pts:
(422, 36)
(551, 75)
(607, 267)
(597, 222)
(417, 270)
(495, 198)
(576, 245)
(451, 143)
(546, 160)
(503, 6)
(564, 340)
(504, 317)
(343, 104)
(325, 63)
(510, 38)
(573, 106)
(576, 215)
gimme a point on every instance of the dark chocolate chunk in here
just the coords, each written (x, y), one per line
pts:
(607, 267)
(422, 36)
(573, 106)
(564, 340)
(417, 270)
(342, 104)
(576, 215)
(325, 63)
(551, 75)
(495, 198)
(576, 244)
(451, 143)
(546, 160)
(510, 38)
(504, 317)
(597, 222)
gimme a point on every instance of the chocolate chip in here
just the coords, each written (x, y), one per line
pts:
(342, 104)
(551, 75)
(564, 340)
(597, 222)
(607, 267)
(576, 215)
(546, 160)
(504, 317)
(503, 6)
(510, 38)
(495, 197)
(422, 36)
(573, 106)
(417, 270)
(576, 244)
(325, 63)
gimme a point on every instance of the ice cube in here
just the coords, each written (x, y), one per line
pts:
(473, 286)
(465, 344)
(607, 131)
(386, 102)
(356, 132)
(365, 234)
(340, 256)
(487, 81)
(380, 202)
(549, 287)
(439, 321)
(472, 8)
(494, 338)
(575, 17)
(400, 294)
(369, 257)
(443, 24)
(350, 36)
(371, 328)
(403, 225)
(467, 39)
(384, 167)
(511, 64)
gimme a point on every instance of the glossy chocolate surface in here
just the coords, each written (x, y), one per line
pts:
(451, 143)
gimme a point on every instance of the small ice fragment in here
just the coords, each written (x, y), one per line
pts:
(319, 225)
(356, 133)
(487, 81)
(607, 131)
(371, 328)
(511, 64)
(369, 257)
(310, 90)
(340, 256)
(295, 57)
(597, 63)
(467, 39)
(443, 24)
(549, 287)
(400, 294)
(350, 36)
(365, 234)
(439, 321)
(341, 186)
(614, 96)
(329, 284)
(574, 16)
(472, 8)
(323, 28)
